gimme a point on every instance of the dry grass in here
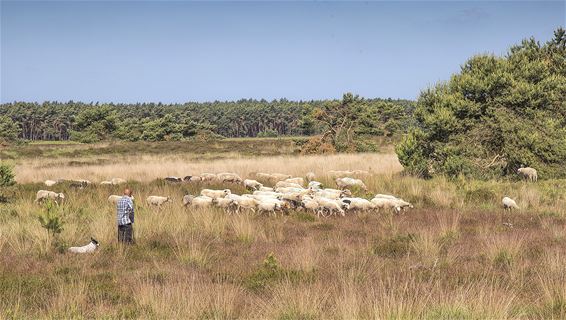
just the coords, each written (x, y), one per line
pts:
(449, 258)
(149, 167)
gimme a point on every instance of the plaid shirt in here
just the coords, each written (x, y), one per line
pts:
(125, 211)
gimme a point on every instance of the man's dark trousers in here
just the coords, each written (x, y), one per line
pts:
(125, 233)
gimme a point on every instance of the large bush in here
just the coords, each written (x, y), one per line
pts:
(497, 114)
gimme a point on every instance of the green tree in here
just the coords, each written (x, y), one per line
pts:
(496, 114)
(6, 176)
(9, 130)
(94, 124)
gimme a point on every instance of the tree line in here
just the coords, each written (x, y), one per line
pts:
(91, 122)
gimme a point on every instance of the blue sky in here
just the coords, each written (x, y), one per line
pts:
(203, 51)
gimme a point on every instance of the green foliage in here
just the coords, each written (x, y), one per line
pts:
(147, 121)
(9, 130)
(496, 114)
(94, 124)
(394, 247)
(50, 218)
(267, 133)
(6, 175)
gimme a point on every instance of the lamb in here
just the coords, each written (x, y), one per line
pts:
(344, 183)
(228, 177)
(528, 173)
(310, 176)
(215, 193)
(509, 204)
(201, 202)
(187, 199)
(118, 181)
(252, 184)
(298, 180)
(157, 200)
(287, 184)
(43, 195)
(173, 179)
(89, 248)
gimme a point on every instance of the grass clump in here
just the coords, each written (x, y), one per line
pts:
(394, 247)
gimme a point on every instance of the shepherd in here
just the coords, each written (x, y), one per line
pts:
(125, 217)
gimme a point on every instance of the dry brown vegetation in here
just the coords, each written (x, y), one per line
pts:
(451, 257)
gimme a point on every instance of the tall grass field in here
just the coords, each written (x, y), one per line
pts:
(456, 255)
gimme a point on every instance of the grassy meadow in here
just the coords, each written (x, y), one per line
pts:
(456, 255)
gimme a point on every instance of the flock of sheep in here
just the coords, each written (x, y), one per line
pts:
(284, 193)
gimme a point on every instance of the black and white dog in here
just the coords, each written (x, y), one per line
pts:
(91, 247)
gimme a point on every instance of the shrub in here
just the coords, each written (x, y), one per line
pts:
(496, 114)
(50, 219)
(394, 247)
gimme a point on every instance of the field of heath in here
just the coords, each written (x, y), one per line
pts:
(456, 255)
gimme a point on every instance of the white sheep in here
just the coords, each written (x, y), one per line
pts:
(346, 182)
(311, 204)
(229, 205)
(105, 183)
(187, 199)
(215, 193)
(114, 199)
(358, 204)
(509, 204)
(118, 181)
(293, 190)
(265, 189)
(332, 206)
(315, 185)
(192, 179)
(269, 206)
(207, 177)
(89, 248)
(50, 183)
(244, 202)
(201, 202)
(287, 184)
(333, 193)
(157, 200)
(43, 195)
(298, 180)
(228, 177)
(252, 184)
(310, 176)
(339, 173)
(528, 173)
